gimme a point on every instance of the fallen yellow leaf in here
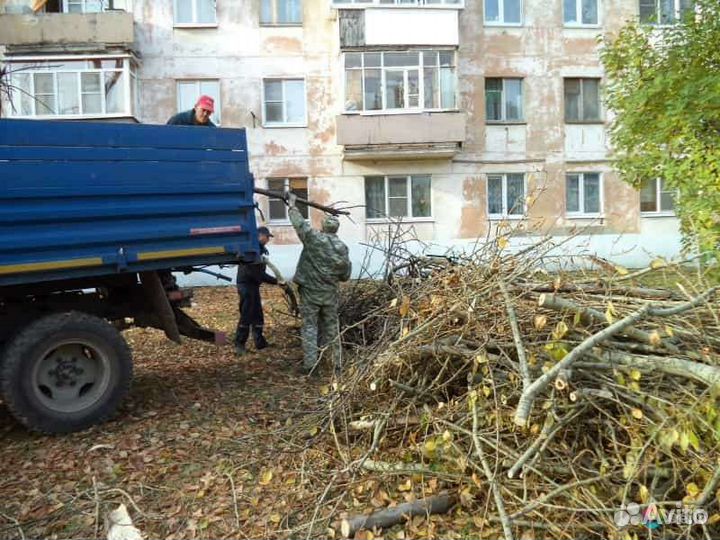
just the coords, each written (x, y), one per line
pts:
(266, 477)
(405, 486)
(405, 306)
(621, 270)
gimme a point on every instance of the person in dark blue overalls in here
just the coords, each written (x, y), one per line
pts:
(249, 279)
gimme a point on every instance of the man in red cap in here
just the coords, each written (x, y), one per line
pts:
(197, 116)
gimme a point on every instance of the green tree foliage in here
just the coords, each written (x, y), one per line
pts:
(663, 87)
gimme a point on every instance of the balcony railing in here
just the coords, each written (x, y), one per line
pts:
(112, 27)
(398, 3)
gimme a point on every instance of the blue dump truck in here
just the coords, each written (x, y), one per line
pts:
(94, 217)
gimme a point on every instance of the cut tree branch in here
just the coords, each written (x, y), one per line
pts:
(437, 504)
(280, 195)
(529, 394)
(512, 317)
(589, 316)
(499, 503)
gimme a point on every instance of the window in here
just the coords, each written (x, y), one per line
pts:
(83, 87)
(656, 197)
(188, 93)
(583, 194)
(281, 12)
(664, 11)
(418, 80)
(503, 12)
(506, 195)
(195, 13)
(284, 102)
(410, 3)
(278, 209)
(398, 196)
(503, 100)
(582, 100)
(82, 6)
(580, 12)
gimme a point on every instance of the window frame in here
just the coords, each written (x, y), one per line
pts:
(658, 201)
(41, 63)
(84, 3)
(420, 67)
(408, 196)
(505, 215)
(677, 14)
(582, 120)
(578, 15)
(193, 23)
(503, 101)
(582, 213)
(274, 22)
(398, 4)
(287, 181)
(215, 117)
(501, 9)
(301, 124)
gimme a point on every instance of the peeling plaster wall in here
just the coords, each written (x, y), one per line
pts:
(542, 52)
(240, 53)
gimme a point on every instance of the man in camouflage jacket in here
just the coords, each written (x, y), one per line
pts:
(324, 262)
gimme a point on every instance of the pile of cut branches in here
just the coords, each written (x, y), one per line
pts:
(526, 402)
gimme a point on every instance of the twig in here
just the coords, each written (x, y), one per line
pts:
(16, 523)
(97, 507)
(710, 487)
(506, 524)
(530, 452)
(235, 503)
(512, 317)
(555, 492)
(132, 502)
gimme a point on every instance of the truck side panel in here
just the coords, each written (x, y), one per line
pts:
(83, 199)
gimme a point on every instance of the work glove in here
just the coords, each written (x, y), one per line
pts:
(291, 198)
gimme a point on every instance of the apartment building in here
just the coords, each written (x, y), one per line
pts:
(454, 116)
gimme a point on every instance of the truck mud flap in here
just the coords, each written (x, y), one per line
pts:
(161, 305)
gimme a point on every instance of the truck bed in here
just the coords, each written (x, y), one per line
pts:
(91, 199)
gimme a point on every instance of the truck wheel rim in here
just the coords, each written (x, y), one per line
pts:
(71, 376)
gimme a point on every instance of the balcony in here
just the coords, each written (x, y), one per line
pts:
(406, 27)
(67, 29)
(397, 136)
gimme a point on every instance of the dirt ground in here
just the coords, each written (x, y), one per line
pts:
(205, 446)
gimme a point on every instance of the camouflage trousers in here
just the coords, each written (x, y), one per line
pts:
(319, 328)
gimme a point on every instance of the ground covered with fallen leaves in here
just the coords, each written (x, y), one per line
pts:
(206, 446)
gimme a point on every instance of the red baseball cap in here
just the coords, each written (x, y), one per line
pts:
(206, 102)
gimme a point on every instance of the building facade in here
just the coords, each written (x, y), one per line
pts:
(454, 117)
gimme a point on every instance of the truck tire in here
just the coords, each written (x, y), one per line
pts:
(65, 372)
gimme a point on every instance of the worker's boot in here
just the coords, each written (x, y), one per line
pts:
(241, 337)
(260, 341)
